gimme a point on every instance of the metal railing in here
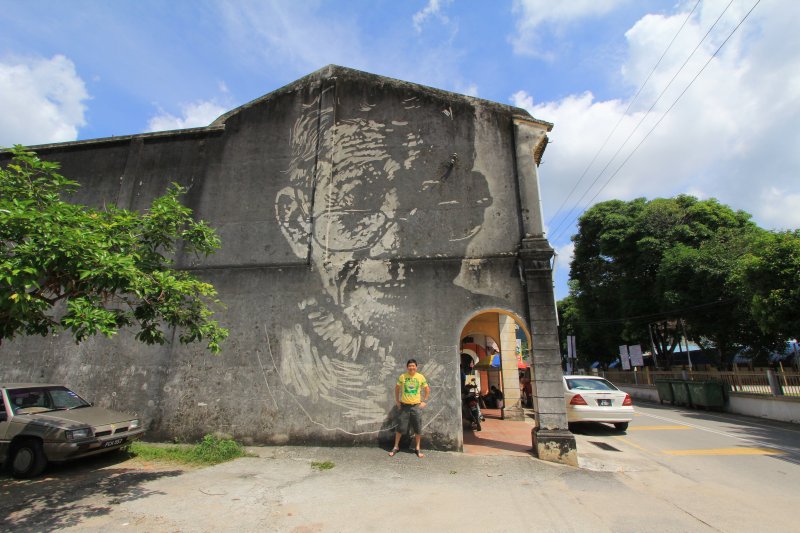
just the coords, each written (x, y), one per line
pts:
(765, 382)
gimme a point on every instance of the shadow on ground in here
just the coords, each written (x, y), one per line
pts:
(67, 494)
(594, 429)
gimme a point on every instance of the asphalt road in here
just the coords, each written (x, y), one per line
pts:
(729, 449)
(716, 473)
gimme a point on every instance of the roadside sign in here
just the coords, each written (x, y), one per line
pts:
(623, 356)
(635, 351)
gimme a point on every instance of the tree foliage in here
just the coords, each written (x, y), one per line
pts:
(70, 267)
(769, 274)
(651, 270)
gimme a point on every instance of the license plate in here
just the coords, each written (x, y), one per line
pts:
(604, 403)
(114, 442)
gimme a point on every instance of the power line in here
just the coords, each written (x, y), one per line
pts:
(668, 109)
(641, 121)
(625, 113)
(660, 119)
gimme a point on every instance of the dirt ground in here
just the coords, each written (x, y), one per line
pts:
(281, 490)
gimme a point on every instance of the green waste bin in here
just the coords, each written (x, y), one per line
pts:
(680, 391)
(707, 394)
(665, 391)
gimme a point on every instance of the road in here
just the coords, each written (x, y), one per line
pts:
(749, 464)
(715, 473)
(707, 446)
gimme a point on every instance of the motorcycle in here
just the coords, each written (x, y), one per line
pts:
(470, 408)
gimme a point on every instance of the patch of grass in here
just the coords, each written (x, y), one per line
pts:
(325, 465)
(210, 451)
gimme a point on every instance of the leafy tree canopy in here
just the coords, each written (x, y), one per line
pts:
(769, 274)
(681, 264)
(69, 267)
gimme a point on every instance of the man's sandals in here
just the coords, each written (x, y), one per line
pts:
(417, 452)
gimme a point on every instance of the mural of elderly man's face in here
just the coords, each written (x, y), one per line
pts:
(372, 195)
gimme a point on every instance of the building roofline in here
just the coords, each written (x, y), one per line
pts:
(188, 132)
(328, 72)
(336, 71)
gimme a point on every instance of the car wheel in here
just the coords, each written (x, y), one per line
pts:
(29, 460)
(621, 426)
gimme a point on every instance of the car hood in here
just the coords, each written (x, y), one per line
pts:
(91, 416)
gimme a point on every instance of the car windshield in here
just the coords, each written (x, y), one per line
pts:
(39, 399)
(589, 384)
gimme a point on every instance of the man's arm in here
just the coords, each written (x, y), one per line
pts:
(397, 394)
(427, 391)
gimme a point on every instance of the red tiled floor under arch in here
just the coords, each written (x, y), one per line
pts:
(499, 437)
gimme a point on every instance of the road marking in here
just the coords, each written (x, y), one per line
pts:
(656, 428)
(632, 444)
(735, 420)
(726, 451)
(787, 449)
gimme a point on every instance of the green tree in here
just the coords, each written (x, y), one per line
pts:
(701, 282)
(769, 275)
(641, 262)
(69, 267)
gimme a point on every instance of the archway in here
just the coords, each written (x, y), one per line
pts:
(494, 355)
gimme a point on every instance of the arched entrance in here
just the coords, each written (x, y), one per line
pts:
(495, 357)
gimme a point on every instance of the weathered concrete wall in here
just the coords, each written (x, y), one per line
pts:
(363, 221)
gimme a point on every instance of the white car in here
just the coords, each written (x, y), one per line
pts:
(595, 399)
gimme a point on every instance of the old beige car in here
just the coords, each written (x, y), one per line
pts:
(41, 423)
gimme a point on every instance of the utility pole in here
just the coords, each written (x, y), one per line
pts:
(652, 344)
(686, 340)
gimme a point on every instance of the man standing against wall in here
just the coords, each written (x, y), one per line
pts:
(409, 400)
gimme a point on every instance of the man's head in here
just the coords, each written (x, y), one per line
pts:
(411, 366)
(361, 190)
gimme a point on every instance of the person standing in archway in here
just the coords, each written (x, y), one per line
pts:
(408, 397)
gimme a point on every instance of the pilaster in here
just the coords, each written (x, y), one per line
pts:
(551, 439)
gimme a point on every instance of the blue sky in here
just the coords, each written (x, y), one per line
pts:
(85, 69)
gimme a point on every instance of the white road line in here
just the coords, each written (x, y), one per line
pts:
(726, 434)
(749, 422)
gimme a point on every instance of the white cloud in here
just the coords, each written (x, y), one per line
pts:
(290, 34)
(195, 114)
(433, 9)
(733, 134)
(42, 101)
(780, 208)
(564, 255)
(532, 15)
(470, 89)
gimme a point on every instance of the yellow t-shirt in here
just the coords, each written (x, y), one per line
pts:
(411, 387)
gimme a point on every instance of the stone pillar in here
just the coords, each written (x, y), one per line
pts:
(530, 138)
(552, 441)
(512, 408)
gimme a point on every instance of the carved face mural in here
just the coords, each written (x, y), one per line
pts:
(363, 192)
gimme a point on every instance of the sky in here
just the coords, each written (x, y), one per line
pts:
(649, 98)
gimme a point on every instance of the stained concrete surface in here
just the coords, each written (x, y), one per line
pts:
(279, 490)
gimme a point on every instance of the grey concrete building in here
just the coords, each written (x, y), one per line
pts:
(364, 221)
